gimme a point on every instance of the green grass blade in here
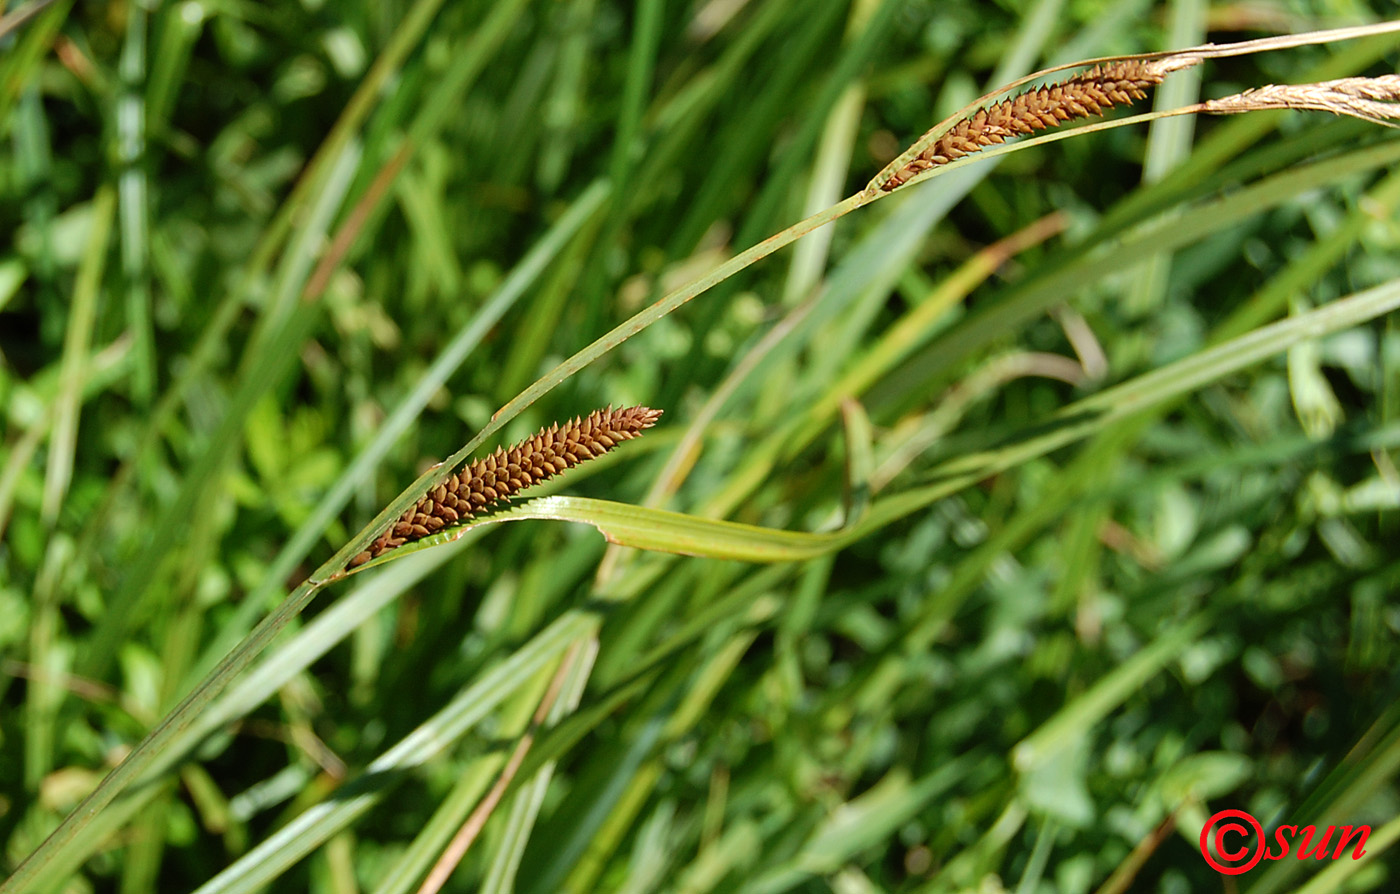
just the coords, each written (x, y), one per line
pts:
(463, 343)
(674, 532)
(457, 718)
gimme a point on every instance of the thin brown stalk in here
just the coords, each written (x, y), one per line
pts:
(14, 19)
(355, 223)
(461, 842)
(487, 482)
(1123, 876)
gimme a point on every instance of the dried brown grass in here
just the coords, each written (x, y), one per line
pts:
(1373, 99)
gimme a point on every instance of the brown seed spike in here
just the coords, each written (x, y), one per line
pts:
(502, 474)
(1085, 94)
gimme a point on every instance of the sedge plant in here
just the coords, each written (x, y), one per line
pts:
(920, 592)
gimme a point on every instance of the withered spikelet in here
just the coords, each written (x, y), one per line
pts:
(486, 482)
(1085, 94)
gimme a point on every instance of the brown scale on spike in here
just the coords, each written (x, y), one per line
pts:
(501, 475)
(1085, 94)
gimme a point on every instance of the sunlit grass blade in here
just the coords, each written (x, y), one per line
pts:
(457, 718)
(86, 294)
(406, 411)
(674, 532)
(286, 325)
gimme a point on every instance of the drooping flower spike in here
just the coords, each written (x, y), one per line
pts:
(487, 482)
(1080, 96)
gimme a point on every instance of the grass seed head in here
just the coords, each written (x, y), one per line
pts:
(485, 482)
(1085, 94)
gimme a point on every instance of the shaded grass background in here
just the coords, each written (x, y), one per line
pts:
(268, 262)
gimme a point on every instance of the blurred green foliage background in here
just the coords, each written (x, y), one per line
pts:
(269, 262)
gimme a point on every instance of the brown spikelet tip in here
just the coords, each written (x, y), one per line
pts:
(486, 482)
(1085, 94)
